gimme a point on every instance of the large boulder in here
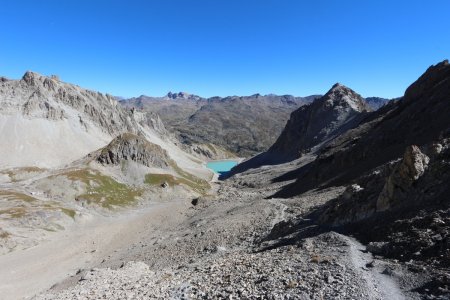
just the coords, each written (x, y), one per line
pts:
(404, 175)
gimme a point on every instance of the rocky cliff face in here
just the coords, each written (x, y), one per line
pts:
(99, 108)
(419, 118)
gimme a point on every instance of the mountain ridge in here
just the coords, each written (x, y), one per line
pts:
(242, 125)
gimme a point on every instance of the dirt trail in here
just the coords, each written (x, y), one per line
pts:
(27, 272)
(381, 286)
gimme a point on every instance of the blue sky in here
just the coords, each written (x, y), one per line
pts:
(225, 47)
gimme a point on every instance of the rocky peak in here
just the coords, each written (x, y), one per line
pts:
(34, 79)
(340, 95)
(31, 77)
(131, 147)
(319, 122)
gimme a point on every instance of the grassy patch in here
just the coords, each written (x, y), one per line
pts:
(199, 185)
(69, 212)
(11, 195)
(14, 212)
(49, 229)
(12, 173)
(31, 169)
(159, 179)
(103, 190)
(28, 204)
(4, 234)
(196, 183)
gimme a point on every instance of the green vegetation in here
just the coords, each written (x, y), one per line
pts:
(30, 169)
(4, 234)
(14, 212)
(159, 179)
(11, 195)
(103, 190)
(198, 185)
(26, 204)
(69, 212)
(13, 173)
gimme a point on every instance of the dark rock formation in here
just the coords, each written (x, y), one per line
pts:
(401, 209)
(321, 121)
(404, 175)
(131, 147)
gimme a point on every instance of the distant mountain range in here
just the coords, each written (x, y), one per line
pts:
(244, 125)
(376, 102)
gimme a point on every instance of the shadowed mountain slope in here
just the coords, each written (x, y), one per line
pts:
(420, 117)
(312, 126)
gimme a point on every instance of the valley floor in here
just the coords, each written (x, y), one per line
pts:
(86, 243)
(225, 247)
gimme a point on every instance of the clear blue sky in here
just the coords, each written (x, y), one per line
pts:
(225, 47)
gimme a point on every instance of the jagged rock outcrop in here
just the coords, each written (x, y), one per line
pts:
(35, 107)
(419, 118)
(41, 96)
(404, 175)
(131, 147)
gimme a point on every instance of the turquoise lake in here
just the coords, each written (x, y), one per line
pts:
(221, 167)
